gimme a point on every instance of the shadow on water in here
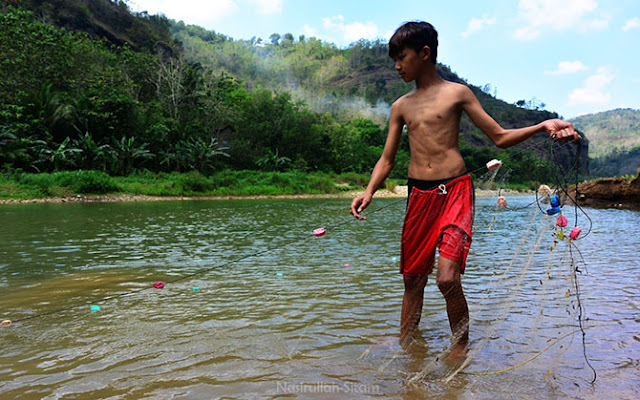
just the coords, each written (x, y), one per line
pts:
(308, 317)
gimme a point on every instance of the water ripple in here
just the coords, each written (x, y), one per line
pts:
(298, 316)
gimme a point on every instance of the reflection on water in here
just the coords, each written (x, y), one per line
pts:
(307, 317)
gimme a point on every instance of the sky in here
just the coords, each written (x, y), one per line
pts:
(576, 56)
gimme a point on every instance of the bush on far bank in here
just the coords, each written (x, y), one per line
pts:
(20, 185)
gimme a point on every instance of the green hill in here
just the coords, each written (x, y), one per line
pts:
(617, 163)
(357, 81)
(614, 141)
(104, 19)
(89, 85)
(610, 131)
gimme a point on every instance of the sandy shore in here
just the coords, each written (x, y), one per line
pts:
(400, 191)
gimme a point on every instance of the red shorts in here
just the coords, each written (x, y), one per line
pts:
(440, 217)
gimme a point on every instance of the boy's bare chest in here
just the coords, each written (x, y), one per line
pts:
(425, 114)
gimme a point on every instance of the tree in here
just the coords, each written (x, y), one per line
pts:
(59, 156)
(275, 37)
(288, 39)
(127, 154)
(273, 162)
(92, 156)
(193, 154)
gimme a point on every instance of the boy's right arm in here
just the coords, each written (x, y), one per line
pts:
(558, 130)
(384, 165)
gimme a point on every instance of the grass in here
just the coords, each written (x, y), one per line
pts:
(58, 184)
(23, 186)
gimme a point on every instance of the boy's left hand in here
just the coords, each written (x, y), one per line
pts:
(560, 131)
(359, 204)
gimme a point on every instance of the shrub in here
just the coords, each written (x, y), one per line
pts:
(322, 183)
(96, 182)
(194, 182)
(43, 182)
(355, 179)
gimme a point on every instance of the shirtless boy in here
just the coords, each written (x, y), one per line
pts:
(440, 207)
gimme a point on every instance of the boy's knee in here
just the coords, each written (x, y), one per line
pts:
(448, 283)
(447, 279)
(448, 272)
(414, 283)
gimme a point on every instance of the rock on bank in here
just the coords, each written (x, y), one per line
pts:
(611, 192)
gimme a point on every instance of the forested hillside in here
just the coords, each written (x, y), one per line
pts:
(88, 85)
(614, 141)
(617, 163)
(610, 132)
(106, 19)
(357, 81)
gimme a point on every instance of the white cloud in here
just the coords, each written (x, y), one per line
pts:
(205, 12)
(478, 24)
(358, 30)
(333, 22)
(597, 24)
(309, 31)
(526, 33)
(268, 7)
(196, 12)
(537, 16)
(567, 67)
(632, 23)
(593, 90)
(353, 31)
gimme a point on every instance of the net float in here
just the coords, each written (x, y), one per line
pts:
(494, 164)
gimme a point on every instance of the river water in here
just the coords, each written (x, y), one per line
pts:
(256, 306)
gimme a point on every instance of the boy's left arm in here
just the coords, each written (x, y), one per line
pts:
(557, 129)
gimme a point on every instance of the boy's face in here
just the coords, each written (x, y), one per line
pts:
(409, 64)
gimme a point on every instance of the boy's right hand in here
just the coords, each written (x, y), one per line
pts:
(359, 204)
(560, 131)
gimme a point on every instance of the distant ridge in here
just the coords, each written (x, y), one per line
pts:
(614, 141)
(610, 131)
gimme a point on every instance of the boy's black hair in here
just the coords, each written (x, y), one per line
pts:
(414, 35)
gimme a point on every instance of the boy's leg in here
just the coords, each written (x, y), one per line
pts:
(449, 283)
(411, 305)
